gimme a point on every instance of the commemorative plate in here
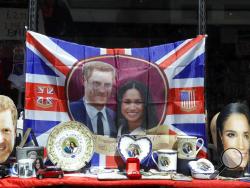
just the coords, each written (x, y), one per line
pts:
(129, 146)
(70, 145)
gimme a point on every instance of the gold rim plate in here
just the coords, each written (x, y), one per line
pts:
(70, 145)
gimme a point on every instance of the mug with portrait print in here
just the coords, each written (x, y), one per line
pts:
(167, 160)
(24, 168)
(187, 146)
(29, 152)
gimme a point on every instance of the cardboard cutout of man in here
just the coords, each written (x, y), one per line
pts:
(98, 78)
(8, 121)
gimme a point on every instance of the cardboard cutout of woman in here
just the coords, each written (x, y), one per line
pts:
(233, 132)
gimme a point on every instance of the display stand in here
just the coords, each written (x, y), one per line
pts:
(93, 182)
(28, 132)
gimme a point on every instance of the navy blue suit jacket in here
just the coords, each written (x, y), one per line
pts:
(79, 113)
(67, 150)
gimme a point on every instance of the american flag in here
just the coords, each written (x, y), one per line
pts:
(188, 100)
(49, 62)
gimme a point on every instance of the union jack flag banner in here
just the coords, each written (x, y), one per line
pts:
(173, 74)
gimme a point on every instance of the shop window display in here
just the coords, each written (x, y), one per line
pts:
(231, 86)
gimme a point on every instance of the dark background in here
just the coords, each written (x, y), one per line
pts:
(140, 23)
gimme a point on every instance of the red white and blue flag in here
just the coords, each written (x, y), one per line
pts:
(49, 62)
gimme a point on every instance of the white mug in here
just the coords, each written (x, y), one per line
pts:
(167, 160)
(187, 146)
(25, 168)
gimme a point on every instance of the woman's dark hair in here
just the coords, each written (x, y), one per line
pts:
(232, 108)
(74, 144)
(40, 162)
(149, 118)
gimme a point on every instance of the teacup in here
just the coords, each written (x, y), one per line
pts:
(187, 146)
(167, 160)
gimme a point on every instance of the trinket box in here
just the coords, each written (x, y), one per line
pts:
(201, 169)
(133, 168)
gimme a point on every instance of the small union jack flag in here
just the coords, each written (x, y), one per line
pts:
(44, 98)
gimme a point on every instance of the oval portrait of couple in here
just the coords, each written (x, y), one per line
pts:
(116, 95)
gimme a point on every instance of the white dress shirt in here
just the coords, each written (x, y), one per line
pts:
(92, 112)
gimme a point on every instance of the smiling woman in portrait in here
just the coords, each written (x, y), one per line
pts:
(233, 132)
(136, 111)
(38, 163)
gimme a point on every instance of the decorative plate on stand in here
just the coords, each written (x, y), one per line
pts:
(70, 145)
(129, 146)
